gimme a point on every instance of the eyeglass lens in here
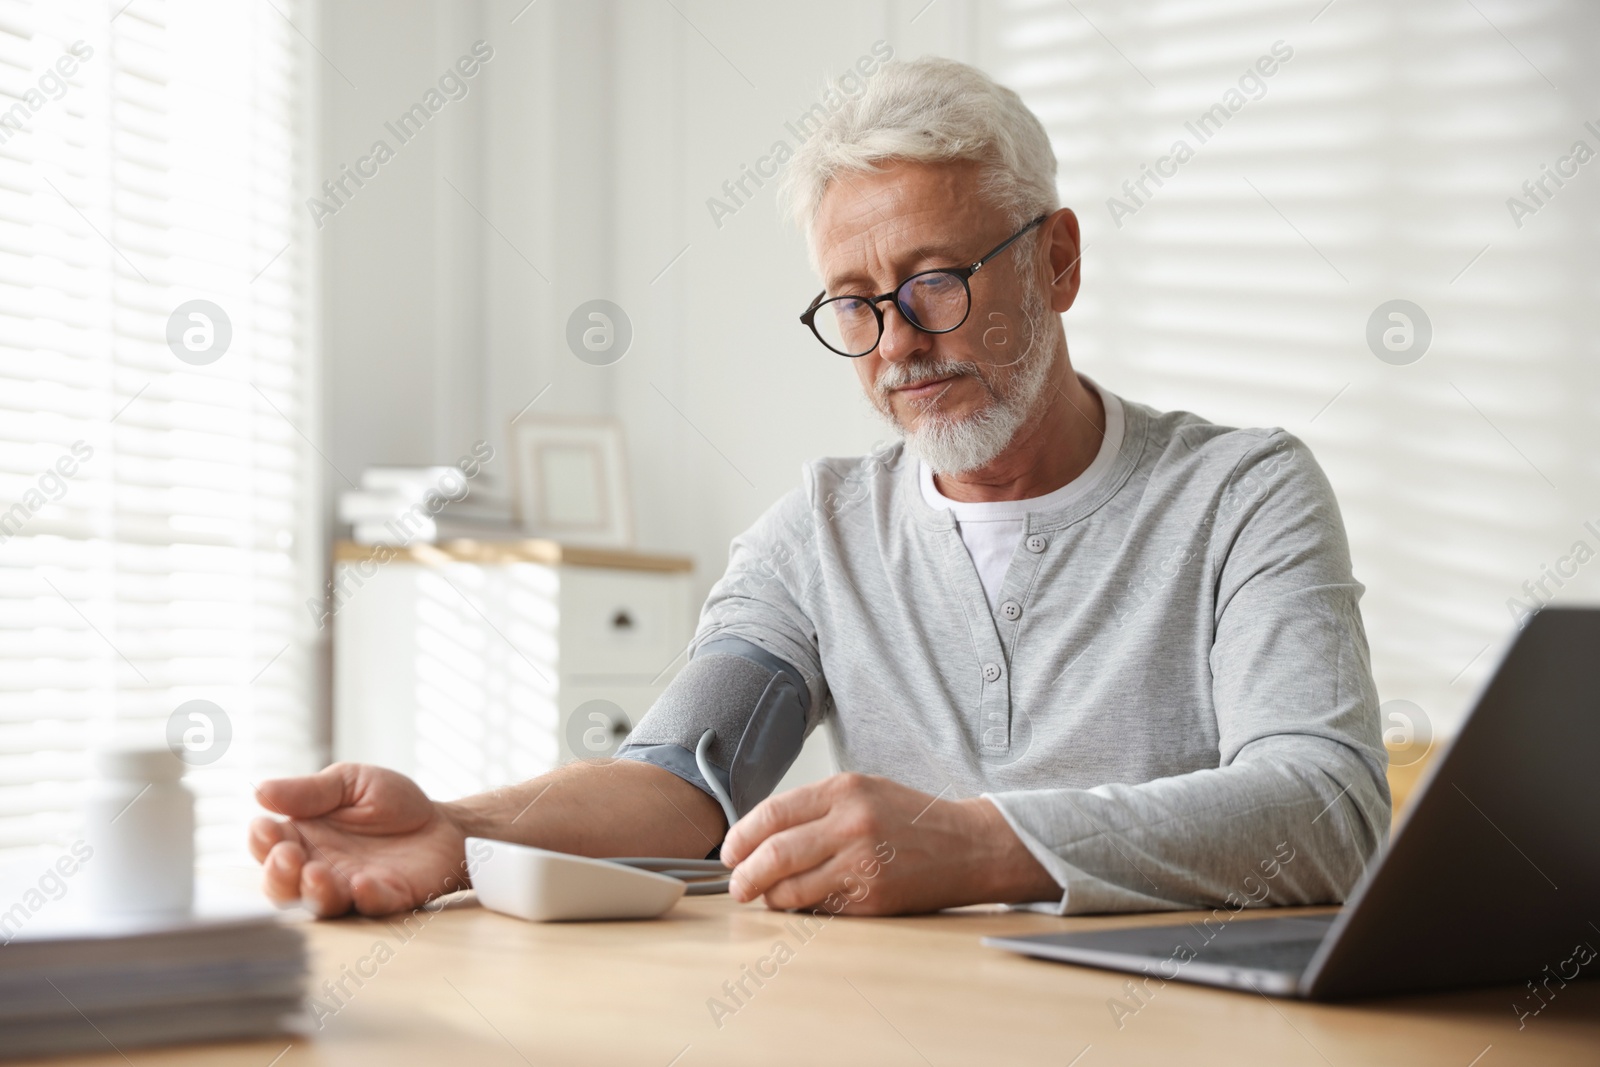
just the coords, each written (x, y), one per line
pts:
(934, 302)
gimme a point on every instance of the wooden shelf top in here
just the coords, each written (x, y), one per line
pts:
(528, 550)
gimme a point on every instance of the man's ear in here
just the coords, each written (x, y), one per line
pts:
(1060, 235)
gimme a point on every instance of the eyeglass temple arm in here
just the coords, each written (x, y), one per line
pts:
(1003, 245)
(816, 302)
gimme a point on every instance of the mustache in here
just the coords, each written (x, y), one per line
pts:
(915, 372)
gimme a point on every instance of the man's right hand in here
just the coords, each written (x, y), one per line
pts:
(356, 836)
(367, 838)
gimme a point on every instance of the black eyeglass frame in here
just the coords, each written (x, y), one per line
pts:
(963, 274)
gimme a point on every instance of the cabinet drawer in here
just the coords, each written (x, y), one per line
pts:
(587, 710)
(619, 623)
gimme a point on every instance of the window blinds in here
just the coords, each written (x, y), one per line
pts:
(1341, 156)
(156, 538)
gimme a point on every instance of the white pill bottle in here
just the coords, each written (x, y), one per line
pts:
(140, 823)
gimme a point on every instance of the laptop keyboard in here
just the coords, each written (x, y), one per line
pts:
(1290, 956)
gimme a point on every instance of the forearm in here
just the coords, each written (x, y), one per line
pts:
(609, 808)
(1200, 839)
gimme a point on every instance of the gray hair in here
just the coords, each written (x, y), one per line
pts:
(930, 110)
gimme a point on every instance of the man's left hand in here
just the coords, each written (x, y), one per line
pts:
(866, 845)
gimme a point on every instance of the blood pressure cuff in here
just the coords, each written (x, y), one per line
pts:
(754, 701)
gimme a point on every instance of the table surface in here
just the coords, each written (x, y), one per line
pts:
(466, 985)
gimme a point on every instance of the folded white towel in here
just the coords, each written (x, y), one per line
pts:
(400, 531)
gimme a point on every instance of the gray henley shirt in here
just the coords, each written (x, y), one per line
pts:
(1173, 693)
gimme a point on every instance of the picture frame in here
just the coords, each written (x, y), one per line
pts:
(571, 480)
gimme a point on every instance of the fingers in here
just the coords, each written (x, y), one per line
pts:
(280, 872)
(265, 832)
(292, 872)
(834, 879)
(324, 890)
(783, 855)
(309, 796)
(776, 813)
(289, 876)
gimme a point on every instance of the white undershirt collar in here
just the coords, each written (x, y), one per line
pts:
(991, 530)
(1079, 487)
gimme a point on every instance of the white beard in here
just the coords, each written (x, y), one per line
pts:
(955, 446)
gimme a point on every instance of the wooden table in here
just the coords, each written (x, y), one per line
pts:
(468, 986)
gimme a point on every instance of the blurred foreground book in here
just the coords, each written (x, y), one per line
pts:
(72, 983)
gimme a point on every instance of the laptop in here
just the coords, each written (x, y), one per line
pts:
(1493, 877)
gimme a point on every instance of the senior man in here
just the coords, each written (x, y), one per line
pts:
(1075, 653)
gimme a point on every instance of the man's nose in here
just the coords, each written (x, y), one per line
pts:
(901, 340)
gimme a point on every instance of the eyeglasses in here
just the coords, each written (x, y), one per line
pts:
(934, 301)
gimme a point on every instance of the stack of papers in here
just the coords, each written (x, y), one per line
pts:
(103, 985)
(399, 505)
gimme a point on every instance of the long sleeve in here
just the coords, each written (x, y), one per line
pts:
(1301, 762)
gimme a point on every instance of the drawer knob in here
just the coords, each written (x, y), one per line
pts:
(622, 620)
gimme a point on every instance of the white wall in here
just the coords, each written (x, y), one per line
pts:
(590, 143)
(719, 336)
(595, 136)
(444, 273)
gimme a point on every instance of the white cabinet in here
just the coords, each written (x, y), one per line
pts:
(471, 665)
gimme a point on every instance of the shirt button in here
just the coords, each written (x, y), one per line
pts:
(1036, 543)
(991, 672)
(1011, 610)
